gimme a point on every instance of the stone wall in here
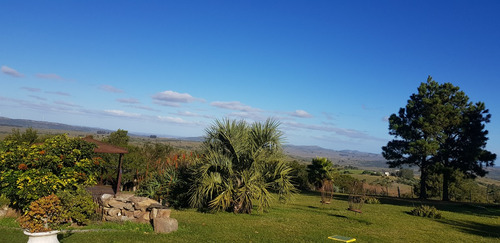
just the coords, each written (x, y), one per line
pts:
(127, 207)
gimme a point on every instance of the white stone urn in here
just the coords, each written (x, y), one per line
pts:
(43, 237)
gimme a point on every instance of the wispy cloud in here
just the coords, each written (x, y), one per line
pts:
(175, 120)
(174, 99)
(128, 101)
(301, 114)
(350, 133)
(30, 89)
(58, 93)
(234, 105)
(121, 113)
(111, 89)
(191, 114)
(49, 76)
(65, 103)
(37, 97)
(385, 119)
(143, 107)
(12, 72)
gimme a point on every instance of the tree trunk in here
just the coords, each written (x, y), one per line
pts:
(423, 182)
(446, 183)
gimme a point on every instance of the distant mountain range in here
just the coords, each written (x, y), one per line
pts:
(4, 121)
(301, 153)
(340, 157)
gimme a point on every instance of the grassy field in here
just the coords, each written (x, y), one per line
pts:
(304, 220)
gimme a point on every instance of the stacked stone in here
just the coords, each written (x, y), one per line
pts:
(126, 207)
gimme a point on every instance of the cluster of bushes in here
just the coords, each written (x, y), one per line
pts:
(426, 211)
(56, 165)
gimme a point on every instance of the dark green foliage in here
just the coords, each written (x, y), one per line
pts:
(371, 200)
(405, 174)
(78, 205)
(4, 201)
(426, 212)
(242, 164)
(29, 136)
(439, 126)
(345, 183)
(159, 185)
(319, 170)
(118, 138)
(300, 176)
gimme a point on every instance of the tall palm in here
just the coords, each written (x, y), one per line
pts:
(242, 163)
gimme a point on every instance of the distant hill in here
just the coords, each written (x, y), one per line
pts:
(4, 121)
(302, 153)
(340, 157)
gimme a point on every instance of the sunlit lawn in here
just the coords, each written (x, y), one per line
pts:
(305, 220)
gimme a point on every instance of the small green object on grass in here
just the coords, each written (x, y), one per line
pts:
(341, 238)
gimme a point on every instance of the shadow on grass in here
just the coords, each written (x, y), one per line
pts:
(475, 228)
(476, 209)
(62, 236)
(327, 211)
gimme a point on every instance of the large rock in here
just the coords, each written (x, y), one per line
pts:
(165, 225)
(127, 213)
(123, 197)
(142, 203)
(114, 212)
(117, 204)
(160, 213)
(141, 217)
(105, 198)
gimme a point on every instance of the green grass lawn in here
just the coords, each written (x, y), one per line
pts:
(304, 220)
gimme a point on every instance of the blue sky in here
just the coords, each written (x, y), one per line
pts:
(330, 71)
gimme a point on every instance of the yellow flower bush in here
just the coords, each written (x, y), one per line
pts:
(29, 172)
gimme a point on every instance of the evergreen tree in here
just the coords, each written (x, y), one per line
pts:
(440, 128)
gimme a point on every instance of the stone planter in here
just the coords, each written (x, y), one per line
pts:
(43, 237)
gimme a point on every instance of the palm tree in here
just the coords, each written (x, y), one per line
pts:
(319, 170)
(242, 165)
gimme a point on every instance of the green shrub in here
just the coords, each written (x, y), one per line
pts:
(44, 214)
(4, 201)
(29, 172)
(372, 200)
(426, 211)
(78, 205)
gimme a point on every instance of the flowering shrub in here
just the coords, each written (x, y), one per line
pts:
(44, 214)
(29, 172)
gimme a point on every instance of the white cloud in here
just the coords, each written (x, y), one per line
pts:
(234, 105)
(49, 76)
(191, 114)
(172, 98)
(385, 119)
(121, 113)
(175, 120)
(142, 107)
(301, 114)
(128, 101)
(11, 72)
(111, 89)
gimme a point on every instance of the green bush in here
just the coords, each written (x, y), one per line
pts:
(78, 205)
(372, 200)
(4, 201)
(45, 214)
(426, 211)
(29, 172)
